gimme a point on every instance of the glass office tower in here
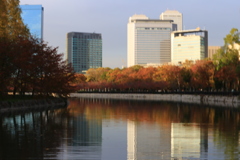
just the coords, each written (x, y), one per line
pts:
(84, 50)
(32, 16)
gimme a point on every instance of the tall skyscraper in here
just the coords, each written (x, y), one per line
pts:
(149, 40)
(189, 44)
(32, 16)
(175, 16)
(84, 50)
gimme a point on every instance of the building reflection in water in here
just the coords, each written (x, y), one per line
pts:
(148, 141)
(85, 139)
(175, 141)
(188, 140)
(133, 130)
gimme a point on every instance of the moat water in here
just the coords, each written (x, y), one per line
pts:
(95, 129)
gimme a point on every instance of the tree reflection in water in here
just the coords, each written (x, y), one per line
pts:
(31, 135)
(39, 135)
(222, 122)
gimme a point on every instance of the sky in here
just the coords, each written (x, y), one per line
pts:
(110, 18)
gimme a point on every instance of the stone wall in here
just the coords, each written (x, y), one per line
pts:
(224, 101)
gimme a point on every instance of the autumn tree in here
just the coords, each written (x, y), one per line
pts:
(97, 74)
(52, 74)
(203, 71)
(186, 75)
(11, 29)
(170, 74)
(228, 57)
(11, 23)
(112, 74)
(6, 68)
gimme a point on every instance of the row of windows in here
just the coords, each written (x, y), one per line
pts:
(86, 37)
(152, 37)
(87, 60)
(152, 28)
(79, 54)
(86, 66)
(88, 42)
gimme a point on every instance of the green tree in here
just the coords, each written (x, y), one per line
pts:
(227, 57)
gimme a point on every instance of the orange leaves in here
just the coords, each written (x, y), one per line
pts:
(33, 66)
(97, 74)
(227, 74)
(170, 74)
(190, 75)
(203, 71)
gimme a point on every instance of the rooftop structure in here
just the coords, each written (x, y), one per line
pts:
(175, 16)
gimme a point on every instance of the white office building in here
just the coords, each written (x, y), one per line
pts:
(149, 40)
(189, 45)
(175, 16)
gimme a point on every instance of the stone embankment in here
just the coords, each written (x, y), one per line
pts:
(216, 100)
(25, 105)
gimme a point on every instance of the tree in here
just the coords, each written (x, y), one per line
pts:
(28, 64)
(6, 67)
(228, 57)
(97, 74)
(203, 71)
(170, 74)
(112, 74)
(11, 24)
(52, 74)
(11, 28)
(186, 74)
(227, 75)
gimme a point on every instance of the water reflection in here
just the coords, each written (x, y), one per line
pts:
(158, 130)
(120, 130)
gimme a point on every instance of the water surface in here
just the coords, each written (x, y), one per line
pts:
(93, 129)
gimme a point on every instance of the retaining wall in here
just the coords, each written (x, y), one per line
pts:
(224, 101)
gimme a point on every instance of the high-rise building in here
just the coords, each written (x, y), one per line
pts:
(84, 50)
(175, 16)
(212, 50)
(190, 45)
(32, 16)
(149, 40)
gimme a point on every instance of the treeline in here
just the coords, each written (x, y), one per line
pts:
(222, 73)
(27, 64)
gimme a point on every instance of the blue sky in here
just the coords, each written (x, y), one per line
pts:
(110, 18)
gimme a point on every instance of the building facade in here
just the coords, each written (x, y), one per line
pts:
(32, 16)
(212, 50)
(84, 50)
(189, 45)
(174, 15)
(149, 40)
